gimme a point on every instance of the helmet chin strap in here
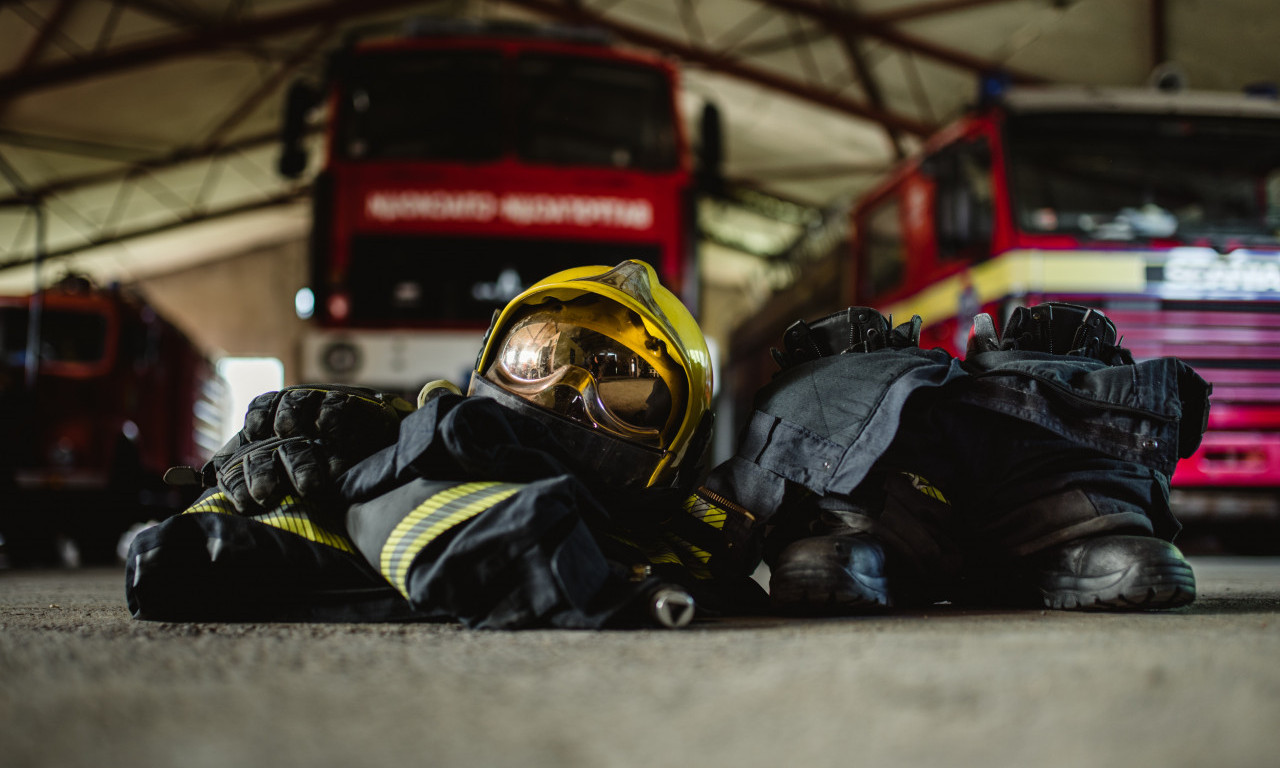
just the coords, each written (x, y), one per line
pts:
(689, 470)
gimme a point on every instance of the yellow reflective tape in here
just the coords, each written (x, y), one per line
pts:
(653, 550)
(217, 503)
(290, 516)
(671, 550)
(665, 556)
(294, 519)
(433, 517)
(697, 553)
(927, 488)
(704, 510)
(405, 555)
(693, 558)
(421, 512)
(1092, 271)
(1019, 272)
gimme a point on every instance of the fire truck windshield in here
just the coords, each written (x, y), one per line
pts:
(421, 105)
(469, 106)
(1196, 180)
(65, 337)
(590, 112)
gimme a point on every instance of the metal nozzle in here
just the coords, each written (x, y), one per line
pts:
(671, 607)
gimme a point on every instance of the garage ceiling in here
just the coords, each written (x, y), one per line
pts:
(138, 136)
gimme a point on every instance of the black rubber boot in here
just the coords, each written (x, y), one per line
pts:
(829, 575)
(1115, 573)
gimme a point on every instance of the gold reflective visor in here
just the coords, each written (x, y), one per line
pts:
(584, 375)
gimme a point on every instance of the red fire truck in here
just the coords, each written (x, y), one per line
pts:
(1161, 208)
(116, 396)
(465, 162)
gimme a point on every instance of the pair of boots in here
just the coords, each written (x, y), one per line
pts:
(1117, 572)
(851, 572)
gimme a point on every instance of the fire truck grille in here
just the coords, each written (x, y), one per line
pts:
(1233, 345)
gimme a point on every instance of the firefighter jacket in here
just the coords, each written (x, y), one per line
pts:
(473, 514)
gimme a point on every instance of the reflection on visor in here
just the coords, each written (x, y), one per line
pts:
(586, 376)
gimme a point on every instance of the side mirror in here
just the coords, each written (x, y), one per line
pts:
(710, 150)
(299, 101)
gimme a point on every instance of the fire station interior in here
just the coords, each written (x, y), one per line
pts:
(140, 140)
(168, 188)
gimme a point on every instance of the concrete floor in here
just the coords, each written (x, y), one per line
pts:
(81, 684)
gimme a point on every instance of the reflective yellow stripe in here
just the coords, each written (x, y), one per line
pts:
(215, 502)
(697, 553)
(704, 510)
(693, 558)
(927, 488)
(290, 516)
(433, 517)
(664, 556)
(1026, 271)
(671, 550)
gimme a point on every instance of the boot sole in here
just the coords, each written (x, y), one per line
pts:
(1136, 588)
(815, 591)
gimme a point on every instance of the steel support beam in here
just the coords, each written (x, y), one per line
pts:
(45, 35)
(194, 43)
(719, 62)
(1159, 33)
(870, 85)
(154, 164)
(272, 202)
(848, 23)
(925, 10)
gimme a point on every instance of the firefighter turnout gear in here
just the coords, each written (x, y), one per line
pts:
(566, 488)
(552, 495)
(1034, 471)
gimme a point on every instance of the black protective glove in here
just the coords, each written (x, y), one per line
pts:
(299, 440)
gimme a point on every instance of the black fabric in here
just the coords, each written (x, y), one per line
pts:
(1021, 487)
(1028, 448)
(223, 567)
(547, 556)
(596, 454)
(823, 424)
(456, 438)
(531, 560)
(544, 544)
(1152, 412)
